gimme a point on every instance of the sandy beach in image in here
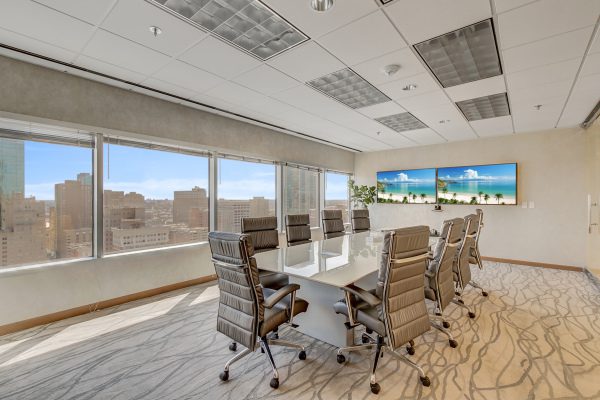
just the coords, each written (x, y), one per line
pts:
(467, 198)
(398, 198)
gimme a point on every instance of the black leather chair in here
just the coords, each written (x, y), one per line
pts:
(297, 229)
(333, 224)
(360, 221)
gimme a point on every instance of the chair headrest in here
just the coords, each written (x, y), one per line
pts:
(360, 214)
(259, 224)
(457, 225)
(297, 219)
(331, 214)
(230, 247)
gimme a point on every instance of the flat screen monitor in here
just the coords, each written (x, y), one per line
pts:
(478, 184)
(414, 186)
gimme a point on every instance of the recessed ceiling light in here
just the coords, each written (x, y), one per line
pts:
(492, 106)
(410, 86)
(465, 55)
(401, 122)
(155, 30)
(247, 24)
(321, 5)
(349, 88)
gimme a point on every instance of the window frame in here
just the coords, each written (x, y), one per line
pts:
(320, 177)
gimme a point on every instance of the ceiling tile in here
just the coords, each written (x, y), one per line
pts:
(591, 65)
(369, 37)
(219, 58)
(548, 51)
(92, 11)
(109, 69)
(505, 5)
(419, 20)
(475, 89)
(42, 23)
(307, 61)
(542, 19)
(425, 83)
(315, 24)
(424, 136)
(585, 95)
(446, 120)
(115, 50)
(456, 130)
(267, 80)
(132, 20)
(431, 99)
(169, 88)
(270, 107)
(185, 75)
(236, 94)
(382, 109)
(595, 47)
(575, 113)
(311, 100)
(540, 94)
(493, 126)
(530, 119)
(560, 71)
(393, 138)
(35, 46)
(372, 70)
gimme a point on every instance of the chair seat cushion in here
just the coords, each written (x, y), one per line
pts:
(272, 280)
(280, 313)
(430, 288)
(365, 315)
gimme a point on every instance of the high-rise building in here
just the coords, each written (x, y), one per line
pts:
(73, 210)
(12, 167)
(189, 205)
(231, 212)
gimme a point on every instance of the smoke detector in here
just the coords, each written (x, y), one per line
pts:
(391, 69)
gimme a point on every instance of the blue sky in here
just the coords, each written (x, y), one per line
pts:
(416, 175)
(154, 174)
(480, 172)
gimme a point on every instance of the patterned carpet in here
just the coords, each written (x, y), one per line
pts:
(537, 336)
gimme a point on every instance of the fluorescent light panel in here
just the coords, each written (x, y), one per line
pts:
(495, 105)
(248, 24)
(465, 55)
(349, 88)
(401, 122)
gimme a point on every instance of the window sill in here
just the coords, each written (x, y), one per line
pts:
(156, 249)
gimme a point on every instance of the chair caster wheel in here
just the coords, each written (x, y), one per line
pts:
(471, 314)
(425, 381)
(453, 343)
(224, 376)
(341, 359)
(485, 294)
(302, 355)
(446, 324)
(375, 388)
(461, 301)
(411, 350)
(233, 346)
(274, 383)
(364, 339)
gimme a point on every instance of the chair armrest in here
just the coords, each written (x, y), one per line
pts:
(280, 294)
(429, 273)
(361, 293)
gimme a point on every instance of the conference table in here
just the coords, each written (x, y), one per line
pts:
(322, 268)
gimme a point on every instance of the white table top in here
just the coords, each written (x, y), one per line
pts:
(337, 262)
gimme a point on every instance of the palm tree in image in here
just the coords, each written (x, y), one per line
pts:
(405, 200)
(480, 194)
(454, 196)
(445, 191)
(423, 195)
(409, 196)
(486, 197)
(498, 196)
(414, 197)
(473, 200)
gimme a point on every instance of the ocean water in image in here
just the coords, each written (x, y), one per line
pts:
(404, 188)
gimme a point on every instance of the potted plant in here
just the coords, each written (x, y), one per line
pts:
(362, 196)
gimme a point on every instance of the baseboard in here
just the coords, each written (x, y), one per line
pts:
(533, 264)
(73, 312)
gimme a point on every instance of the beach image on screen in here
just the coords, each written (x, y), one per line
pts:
(406, 186)
(481, 184)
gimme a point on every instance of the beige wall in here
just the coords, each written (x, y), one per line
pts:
(551, 174)
(593, 184)
(36, 93)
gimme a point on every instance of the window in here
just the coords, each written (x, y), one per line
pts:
(153, 198)
(336, 193)
(46, 200)
(301, 193)
(244, 189)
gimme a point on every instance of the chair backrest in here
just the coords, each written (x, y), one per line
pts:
(400, 284)
(444, 254)
(461, 265)
(241, 299)
(263, 231)
(297, 229)
(479, 213)
(360, 221)
(333, 225)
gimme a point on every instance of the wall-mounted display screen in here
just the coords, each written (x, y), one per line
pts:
(478, 184)
(416, 186)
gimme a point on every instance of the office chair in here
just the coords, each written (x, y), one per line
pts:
(360, 221)
(265, 237)
(462, 268)
(297, 229)
(439, 283)
(396, 309)
(333, 225)
(475, 257)
(247, 312)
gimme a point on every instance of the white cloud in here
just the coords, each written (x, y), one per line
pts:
(470, 174)
(403, 177)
